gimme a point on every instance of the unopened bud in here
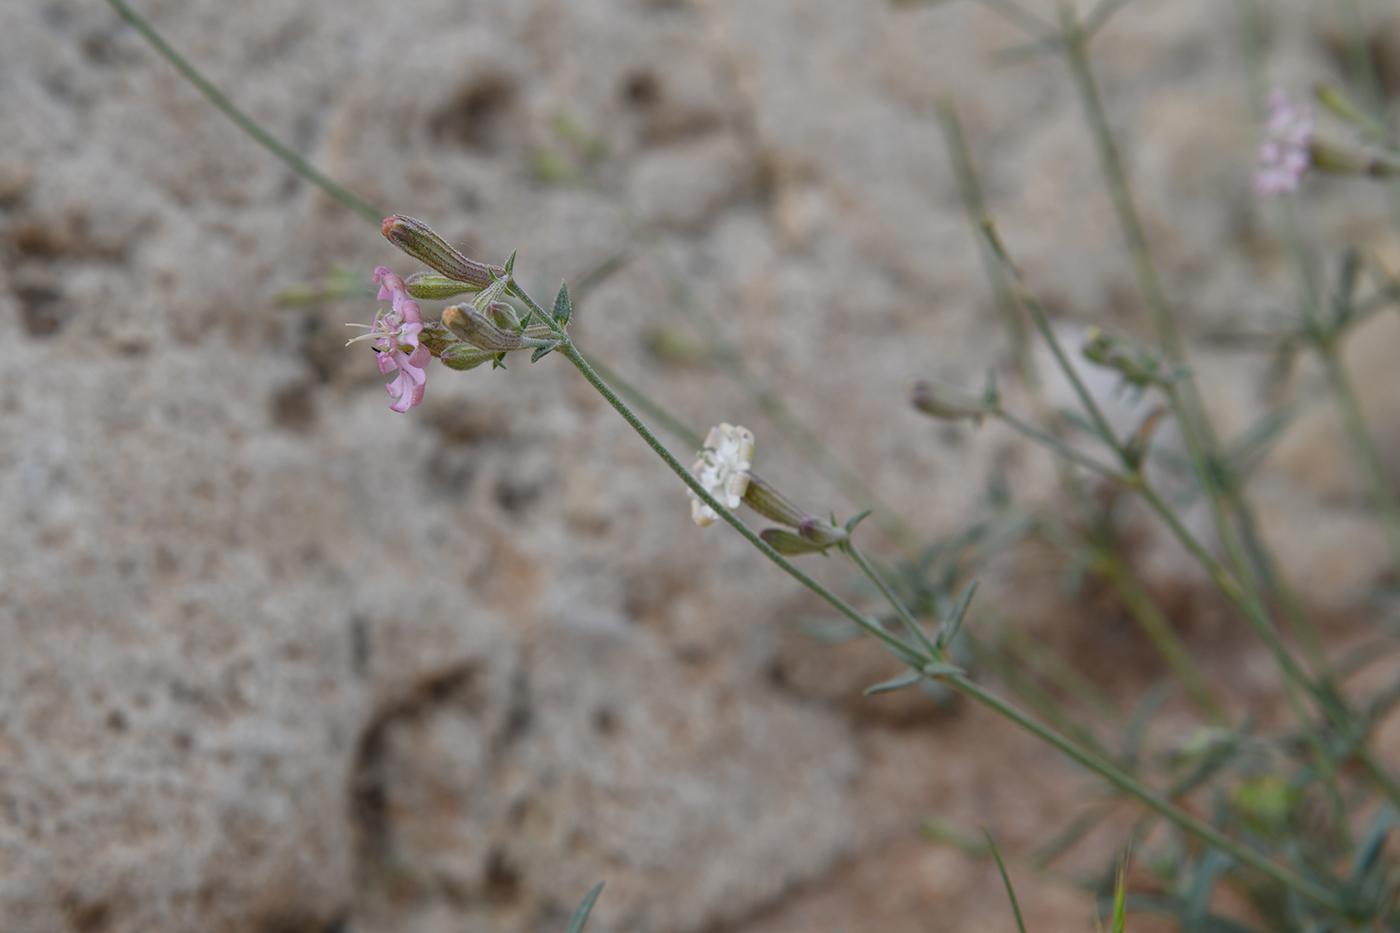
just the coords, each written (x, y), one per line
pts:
(822, 533)
(462, 357)
(1138, 366)
(429, 286)
(479, 330)
(768, 502)
(1337, 161)
(941, 401)
(787, 543)
(419, 241)
(813, 533)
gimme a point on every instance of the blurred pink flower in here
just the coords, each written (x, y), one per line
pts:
(395, 335)
(1284, 151)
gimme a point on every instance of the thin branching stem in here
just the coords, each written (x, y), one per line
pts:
(915, 658)
(246, 123)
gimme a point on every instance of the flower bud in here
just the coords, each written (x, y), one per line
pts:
(787, 543)
(813, 533)
(419, 241)
(1138, 366)
(429, 286)
(941, 401)
(821, 533)
(462, 357)
(768, 502)
(479, 330)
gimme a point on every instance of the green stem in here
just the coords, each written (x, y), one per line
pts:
(1159, 631)
(906, 653)
(905, 616)
(899, 648)
(1149, 798)
(1042, 324)
(730, 360)
(1056, 445)
(1364, 447)
(245, 123)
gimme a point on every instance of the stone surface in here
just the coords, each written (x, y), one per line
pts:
(280, 659)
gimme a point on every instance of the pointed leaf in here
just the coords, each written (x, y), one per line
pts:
(954, 620)
(585, 907)
(851, 525)
(540, 353)
(943, 669)
(907, 679)
(1006, 880)
(563, 305)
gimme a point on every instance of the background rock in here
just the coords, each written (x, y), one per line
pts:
(280, 659)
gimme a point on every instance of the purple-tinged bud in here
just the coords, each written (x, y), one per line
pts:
(941, 401)
(821, 533)
(419, 241)
(813, 533)
(503, 316)
(429, 286)
(479, 330)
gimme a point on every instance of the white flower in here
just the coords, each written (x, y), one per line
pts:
(723, 469)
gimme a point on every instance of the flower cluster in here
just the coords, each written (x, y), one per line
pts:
(395, 334)
(723, 469)
(1285, 152)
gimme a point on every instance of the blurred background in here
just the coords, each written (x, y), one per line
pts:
(274, 658)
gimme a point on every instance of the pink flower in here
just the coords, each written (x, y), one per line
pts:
(1284, 152)
(395, 335)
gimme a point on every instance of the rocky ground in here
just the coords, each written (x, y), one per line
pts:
(278, 659)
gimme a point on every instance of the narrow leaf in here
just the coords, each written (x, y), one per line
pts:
(1006, 880)
(907, 679)
(942, 669)
(580, 916)
(563, 306)
(954, 620)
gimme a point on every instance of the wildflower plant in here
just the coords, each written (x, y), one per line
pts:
(1299, 821)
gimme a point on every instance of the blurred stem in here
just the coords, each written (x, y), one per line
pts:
(1364, 76)
(645, 403)
(912, 656)
(1149, 798)
(910, 623)
(245, 122)
(728, 357)
(975, 206)
(1158, 630)
(1184, 394)
(1034, 695)
(1363, 445)
(1041, 321)
(1055, 445)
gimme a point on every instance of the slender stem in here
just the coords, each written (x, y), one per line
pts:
(1149, 798)
(245, 123)
(1056, 445)
(730, 360)
(900, 649)
(1042, 323)
(905, 616)
(645, 403)
(1159, 631)
(1364, 447)
(1106, 769)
